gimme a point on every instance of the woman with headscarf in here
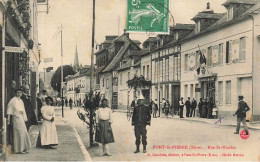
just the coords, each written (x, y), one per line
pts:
(48, 134)
(15, 108)
(104, 134)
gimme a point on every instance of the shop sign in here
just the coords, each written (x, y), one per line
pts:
(14, 49)
(207, 79)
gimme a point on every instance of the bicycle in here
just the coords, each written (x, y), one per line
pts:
(129, 113)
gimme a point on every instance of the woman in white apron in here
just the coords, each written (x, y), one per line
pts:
(20, 135)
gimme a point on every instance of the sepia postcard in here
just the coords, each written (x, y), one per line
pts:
(130, 80)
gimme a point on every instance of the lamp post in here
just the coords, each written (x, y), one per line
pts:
(61, 85)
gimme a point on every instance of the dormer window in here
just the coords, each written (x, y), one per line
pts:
(161, 42)
(197, 27)
(176, 35)
(230, 13)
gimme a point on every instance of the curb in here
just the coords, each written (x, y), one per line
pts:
(81, 144)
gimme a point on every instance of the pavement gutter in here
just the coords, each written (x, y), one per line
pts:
(81, 145)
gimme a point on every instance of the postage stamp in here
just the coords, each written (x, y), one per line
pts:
(148, 16)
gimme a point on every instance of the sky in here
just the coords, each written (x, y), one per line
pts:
(76, 18)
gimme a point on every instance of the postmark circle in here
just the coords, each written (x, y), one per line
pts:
(243, 134)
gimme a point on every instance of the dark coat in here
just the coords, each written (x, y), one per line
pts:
(188, 104)
(242, 109)
(141, 116)
(29, 110)
(194, 103)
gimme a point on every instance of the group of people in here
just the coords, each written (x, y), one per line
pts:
(205, 107)
(21, 115)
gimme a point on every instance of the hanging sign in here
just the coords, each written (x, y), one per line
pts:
(14, 49)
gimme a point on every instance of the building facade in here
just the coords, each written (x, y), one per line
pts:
(166, 65)
(78, 86)
(229, 44)
(19, 30)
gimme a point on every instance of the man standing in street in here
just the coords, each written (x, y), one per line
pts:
(181, 103)
(70, 103)
(188, 105)
(241, 114)
(141, 118)
(193, 107)
(39, 106)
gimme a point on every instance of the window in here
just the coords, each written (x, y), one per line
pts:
(191, 91)
(197, 61)
(186, 62)
(220, 54)
(103, 83)
(209, 59)
(242, 49)
(230, 13)
(161, 71)
(121, 78)
(167, 69)
(185, 92)
(144, 71)
(228, 51)
(220, 93)
(228, 92)
(176, 35)
(176, 68)
(197, 27)
(107, 83)
(147, 76)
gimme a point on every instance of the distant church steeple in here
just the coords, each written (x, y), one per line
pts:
(76, 61)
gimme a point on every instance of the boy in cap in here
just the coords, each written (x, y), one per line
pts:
(241, 114)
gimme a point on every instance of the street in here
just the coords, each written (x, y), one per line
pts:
(172, 140)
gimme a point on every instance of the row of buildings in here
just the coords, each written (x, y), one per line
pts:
(20, 55)
(229, 41)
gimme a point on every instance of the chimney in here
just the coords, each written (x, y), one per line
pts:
(126, 34)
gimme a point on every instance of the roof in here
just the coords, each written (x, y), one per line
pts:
(136, 41)
(150, 39)
(98, 70)
(223, 22)
(125, 65)
(203, 15)
(241, 1)
(184, 26)
(118, 56)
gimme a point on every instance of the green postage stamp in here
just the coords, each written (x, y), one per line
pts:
(148, 16)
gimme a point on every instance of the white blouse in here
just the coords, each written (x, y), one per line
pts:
(104, 114)
(16, 107)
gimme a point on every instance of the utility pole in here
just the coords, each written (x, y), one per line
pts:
(61, 74)
(91, 78)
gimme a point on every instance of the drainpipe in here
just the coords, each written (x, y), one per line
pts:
(253, 50)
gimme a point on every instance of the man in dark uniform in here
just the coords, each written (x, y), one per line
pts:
(188, 105)
(241, 114)
(39, 106)
(181, 104)
(193, 107)
(141, 118)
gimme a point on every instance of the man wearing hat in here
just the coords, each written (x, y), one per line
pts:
(141, 117)
(241, 114)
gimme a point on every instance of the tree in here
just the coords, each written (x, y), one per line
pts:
(56, 78)
(89, 114)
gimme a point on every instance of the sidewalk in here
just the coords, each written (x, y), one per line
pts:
(224, 122)
(69, 148)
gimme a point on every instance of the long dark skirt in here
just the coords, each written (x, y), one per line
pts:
(104, 133)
